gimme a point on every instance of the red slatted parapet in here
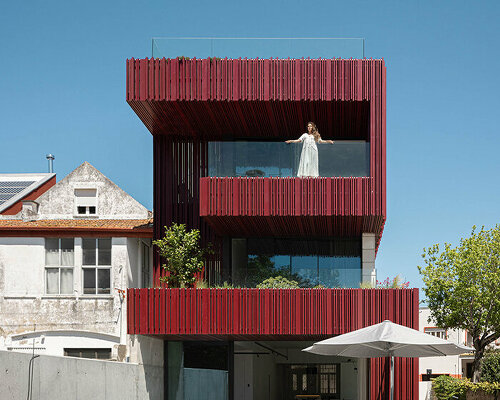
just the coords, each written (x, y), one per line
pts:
(278, 314)
(291, 206)
(224, 98)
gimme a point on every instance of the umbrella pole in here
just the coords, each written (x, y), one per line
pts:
(392, 377)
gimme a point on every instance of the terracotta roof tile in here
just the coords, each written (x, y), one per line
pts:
(78, 224)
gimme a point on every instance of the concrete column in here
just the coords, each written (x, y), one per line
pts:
(369, 274)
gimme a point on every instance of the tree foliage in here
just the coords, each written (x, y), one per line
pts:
(490, 367)
(278, 282)
(462, 286)
(183, 255)
(261, 267)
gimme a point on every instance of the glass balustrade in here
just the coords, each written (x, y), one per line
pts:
(294, 48)
(344, 158)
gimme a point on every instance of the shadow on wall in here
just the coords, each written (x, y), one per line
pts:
(75, 378)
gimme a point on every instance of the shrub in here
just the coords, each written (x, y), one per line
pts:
(278, 282)
(490, 367)
(445, 387)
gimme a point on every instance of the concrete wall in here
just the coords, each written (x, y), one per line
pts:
(369, 274)
(74, 378)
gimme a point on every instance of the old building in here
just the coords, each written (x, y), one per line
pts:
(68, 252)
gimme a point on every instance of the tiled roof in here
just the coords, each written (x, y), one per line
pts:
(142, 225)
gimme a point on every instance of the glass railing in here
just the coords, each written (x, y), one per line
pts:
(293, 48)
(278, 159)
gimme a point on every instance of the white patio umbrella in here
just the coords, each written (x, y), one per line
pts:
(386, 339)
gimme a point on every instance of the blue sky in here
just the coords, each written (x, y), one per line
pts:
(62, 80)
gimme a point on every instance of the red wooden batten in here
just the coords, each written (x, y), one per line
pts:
(191, 101)
(279, 314)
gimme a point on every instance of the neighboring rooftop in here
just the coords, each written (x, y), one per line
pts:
(16, 187)
(126, 227)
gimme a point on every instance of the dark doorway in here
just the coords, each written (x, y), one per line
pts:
(313, 381)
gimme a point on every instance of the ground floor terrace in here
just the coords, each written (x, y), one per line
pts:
(263, 370)
(246, 343)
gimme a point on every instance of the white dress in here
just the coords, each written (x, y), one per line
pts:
(308, 165)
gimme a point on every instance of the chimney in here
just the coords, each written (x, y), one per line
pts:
(50, 158)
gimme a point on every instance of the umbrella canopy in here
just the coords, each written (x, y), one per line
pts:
(384, 340)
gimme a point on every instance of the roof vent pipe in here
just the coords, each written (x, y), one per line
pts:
(50, 158)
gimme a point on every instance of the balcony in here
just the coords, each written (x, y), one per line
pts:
(345, 158)
(265, 314)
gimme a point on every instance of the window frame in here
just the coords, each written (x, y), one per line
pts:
(436, 332)
(87, 207)
(59, 267)
(145, 272)
(96, 351)
(97, 267)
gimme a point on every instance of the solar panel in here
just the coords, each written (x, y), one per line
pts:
(8, 189)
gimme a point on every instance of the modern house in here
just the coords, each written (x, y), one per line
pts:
(221, 165)
(68, 252)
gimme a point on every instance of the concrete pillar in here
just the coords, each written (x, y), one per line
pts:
(369, 274)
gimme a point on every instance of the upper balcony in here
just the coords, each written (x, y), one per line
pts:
(221, 89)
(220, 121)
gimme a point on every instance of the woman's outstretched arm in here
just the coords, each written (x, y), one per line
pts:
(326, 141)
(293, 141)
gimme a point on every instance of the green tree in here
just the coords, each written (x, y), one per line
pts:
(462, 286)
(490, 366)
(183, 255)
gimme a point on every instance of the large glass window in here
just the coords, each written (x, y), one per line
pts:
(330, 263)
(345, 158)
(96, 266)
(59, 262)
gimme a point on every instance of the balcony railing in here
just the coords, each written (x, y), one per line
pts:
(347, 158)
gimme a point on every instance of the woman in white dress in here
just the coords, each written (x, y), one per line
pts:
(308, 165)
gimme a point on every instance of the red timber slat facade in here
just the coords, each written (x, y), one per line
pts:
(280, 314)
(188, 103)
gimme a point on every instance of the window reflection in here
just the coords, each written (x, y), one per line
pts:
(330, 263)
(346, 158)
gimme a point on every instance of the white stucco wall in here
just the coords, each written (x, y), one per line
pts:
(25, 308)
(112, 202)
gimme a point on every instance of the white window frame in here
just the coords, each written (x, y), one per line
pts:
(436, 332)
(58, 267)
(97, 267)
(91, 202)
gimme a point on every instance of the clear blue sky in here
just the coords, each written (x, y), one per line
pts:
(62, 84)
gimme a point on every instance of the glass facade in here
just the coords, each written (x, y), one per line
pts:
(332, 263)
(198, 370)
(349, 158)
